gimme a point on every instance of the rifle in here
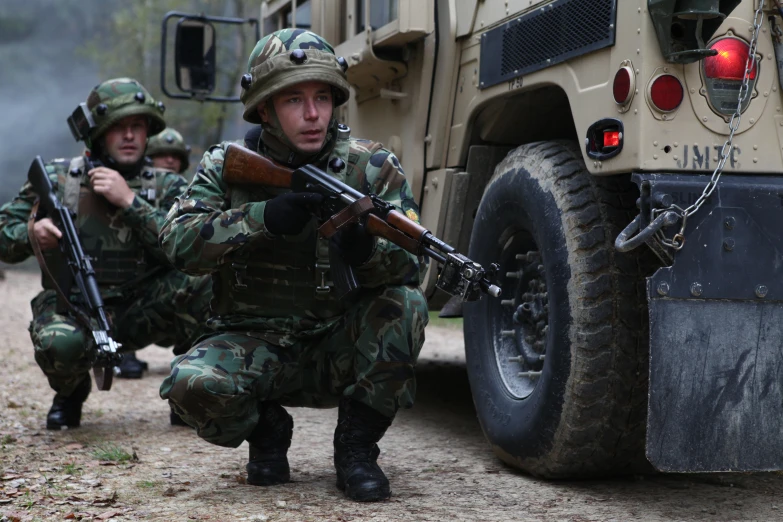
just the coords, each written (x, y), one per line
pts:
(344, 205)
(105, 355)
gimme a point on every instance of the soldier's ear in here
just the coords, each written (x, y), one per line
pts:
(263, 113)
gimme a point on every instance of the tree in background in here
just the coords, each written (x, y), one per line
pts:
(128, 44)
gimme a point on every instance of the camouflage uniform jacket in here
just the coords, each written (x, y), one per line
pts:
(218, 228)
(134, 229)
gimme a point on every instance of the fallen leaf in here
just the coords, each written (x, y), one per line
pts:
(73, 446)
(108, 515)
(13, 404)
(70, 516)
(9, 476)
(6, 500)
(169, 492)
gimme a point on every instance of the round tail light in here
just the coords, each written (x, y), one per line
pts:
(622, 88)
(724, 72)
(666, 93)
(730, 62)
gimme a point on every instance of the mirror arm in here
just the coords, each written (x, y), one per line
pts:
(199, 18)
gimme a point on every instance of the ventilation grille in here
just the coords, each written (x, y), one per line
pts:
(546, 36)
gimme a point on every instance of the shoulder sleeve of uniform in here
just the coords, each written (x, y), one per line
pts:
(383, 176)
(201, 228)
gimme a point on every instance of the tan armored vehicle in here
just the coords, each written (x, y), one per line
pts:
(594, 149)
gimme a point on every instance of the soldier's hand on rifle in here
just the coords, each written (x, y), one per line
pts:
(287, 214)
(354, 243)
(111, 185)
(46, 233)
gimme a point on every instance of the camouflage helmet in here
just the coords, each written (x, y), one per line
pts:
(115, 99)
(170, 141)
(285, 58)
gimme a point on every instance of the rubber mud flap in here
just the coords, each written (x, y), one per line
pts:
(716, 377)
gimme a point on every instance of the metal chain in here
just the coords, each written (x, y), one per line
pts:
(679, 239)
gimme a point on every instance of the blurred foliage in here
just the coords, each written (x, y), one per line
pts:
(13, 28)
(128, 43)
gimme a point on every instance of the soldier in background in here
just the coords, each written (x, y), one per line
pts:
(282, 337)
(168, 150)
(120, 203)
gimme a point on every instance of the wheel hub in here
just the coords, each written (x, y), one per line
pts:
(524, 321)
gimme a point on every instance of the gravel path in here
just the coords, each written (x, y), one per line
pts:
(435, 455)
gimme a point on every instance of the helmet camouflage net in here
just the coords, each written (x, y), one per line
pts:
(285, 58)
(113, 100)
(170, 141)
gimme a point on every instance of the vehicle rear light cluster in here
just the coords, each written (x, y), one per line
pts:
(723, 74)
(666, 93)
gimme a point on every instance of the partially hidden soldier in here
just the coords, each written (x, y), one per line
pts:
(282, 338)
(119, 204)
(168, 150)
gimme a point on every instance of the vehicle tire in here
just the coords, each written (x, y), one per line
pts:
(558, 365)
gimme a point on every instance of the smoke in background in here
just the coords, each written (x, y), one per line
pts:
(53, 53)
(42, 80)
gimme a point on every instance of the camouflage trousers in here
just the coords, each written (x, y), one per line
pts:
(369, 355)
(169, 309)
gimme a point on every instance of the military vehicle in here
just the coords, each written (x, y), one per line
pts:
(597, 150)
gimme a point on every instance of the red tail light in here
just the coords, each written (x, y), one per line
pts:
(611, 139)
(621, 88)
(730, 62)
(666, 93)
(723, 74)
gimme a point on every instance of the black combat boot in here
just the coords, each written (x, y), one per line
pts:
(359, 428)
(67, 411)
(269, 443)
(131, 367)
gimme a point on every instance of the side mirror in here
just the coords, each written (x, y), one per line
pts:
(194, 56)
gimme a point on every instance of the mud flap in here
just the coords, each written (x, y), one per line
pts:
(716, 330)
(716, 400)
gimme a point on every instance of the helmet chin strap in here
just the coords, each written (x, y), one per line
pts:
(274, 143)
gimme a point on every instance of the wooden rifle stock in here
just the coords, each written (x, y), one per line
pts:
(242, 166)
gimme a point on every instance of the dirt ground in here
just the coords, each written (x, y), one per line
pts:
(127, 463)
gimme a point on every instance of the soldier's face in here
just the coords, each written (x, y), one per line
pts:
(126, 140)
(167, 161)
(304, 111)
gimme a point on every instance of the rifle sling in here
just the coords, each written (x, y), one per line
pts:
(349, 214)
(77, 314)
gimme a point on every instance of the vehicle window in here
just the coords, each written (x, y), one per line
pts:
(381, 13)
(270, 24)
(303, 16)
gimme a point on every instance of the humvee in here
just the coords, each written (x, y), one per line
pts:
(621, 161)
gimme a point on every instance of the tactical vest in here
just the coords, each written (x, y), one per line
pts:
(116, 253)
(281, 277)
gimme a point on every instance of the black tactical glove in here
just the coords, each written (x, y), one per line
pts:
(354, 243)
(287, 214)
